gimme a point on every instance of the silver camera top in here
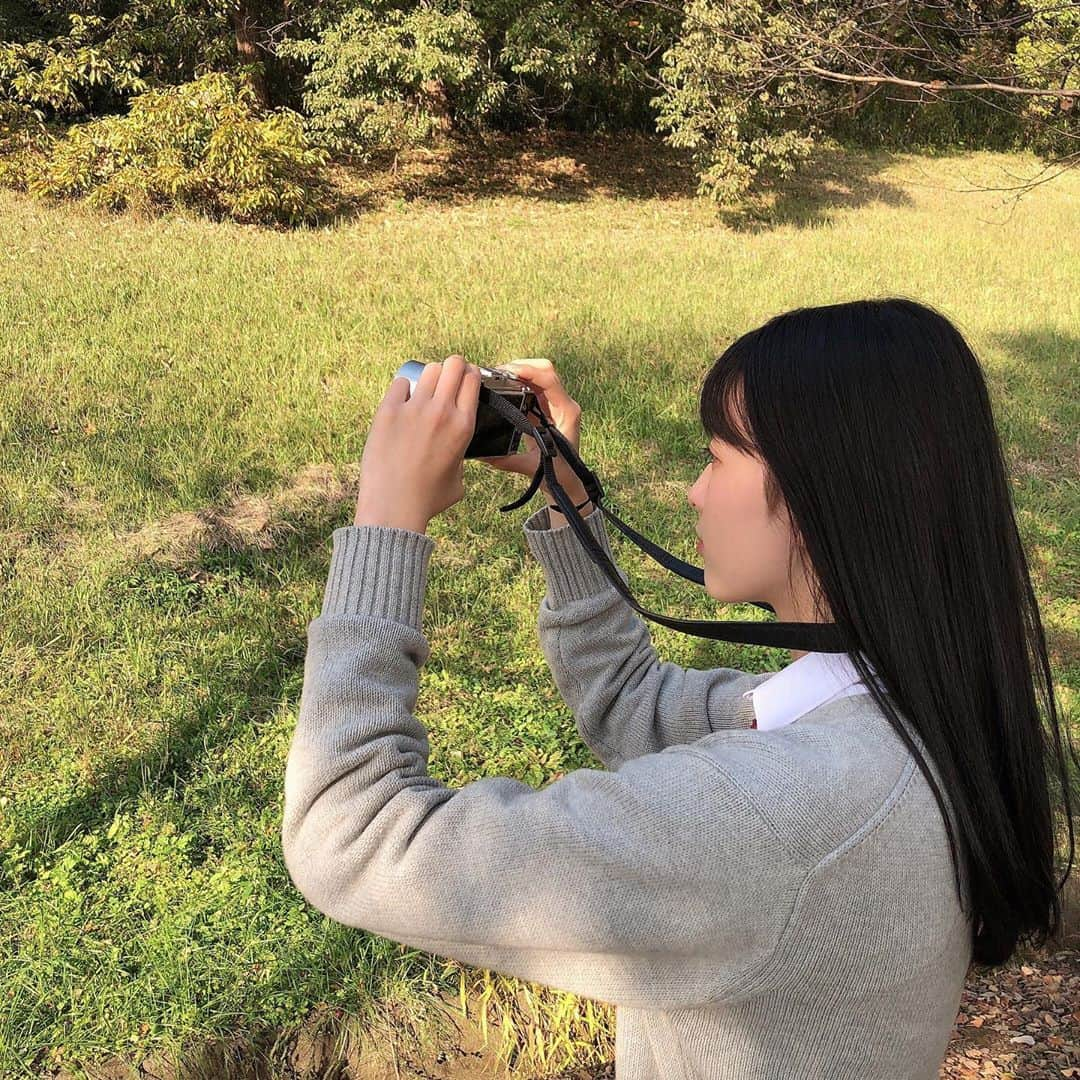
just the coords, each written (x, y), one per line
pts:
(494, 378)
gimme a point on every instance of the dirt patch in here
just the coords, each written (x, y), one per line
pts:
(564, 166)
(441, 1045)
(1021, 1019)
(244, 521)
(1057, 466)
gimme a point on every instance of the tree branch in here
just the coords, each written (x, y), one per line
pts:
(937, 85)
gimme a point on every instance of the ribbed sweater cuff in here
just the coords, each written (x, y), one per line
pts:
(568, 570)
(378, 570)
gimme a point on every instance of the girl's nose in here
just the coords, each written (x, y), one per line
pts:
(691, 494)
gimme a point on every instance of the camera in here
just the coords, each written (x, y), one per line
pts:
(494, 436)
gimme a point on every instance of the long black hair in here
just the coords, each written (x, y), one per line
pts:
(874, 424)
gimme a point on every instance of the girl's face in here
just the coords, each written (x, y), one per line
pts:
(744, 548)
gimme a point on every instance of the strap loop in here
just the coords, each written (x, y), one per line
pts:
(578, 507)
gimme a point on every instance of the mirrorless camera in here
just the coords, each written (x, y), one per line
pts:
(494, 435)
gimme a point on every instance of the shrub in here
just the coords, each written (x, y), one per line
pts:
(203, 145)
(389, 78)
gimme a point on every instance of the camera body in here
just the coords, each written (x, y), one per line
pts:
(493, 437)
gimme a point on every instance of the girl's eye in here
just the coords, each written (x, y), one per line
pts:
(706, 456)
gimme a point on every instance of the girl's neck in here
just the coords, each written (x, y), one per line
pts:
(798, 606)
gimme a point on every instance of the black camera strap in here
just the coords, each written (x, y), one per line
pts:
(810, 637)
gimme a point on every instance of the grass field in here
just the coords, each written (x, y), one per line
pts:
(182, 406)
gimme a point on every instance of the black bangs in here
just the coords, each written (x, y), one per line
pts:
(722, 403)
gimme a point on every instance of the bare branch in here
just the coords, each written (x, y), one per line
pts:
(936, 85)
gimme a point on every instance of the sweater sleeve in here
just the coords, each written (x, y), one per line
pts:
(626, 702)
(659, 886)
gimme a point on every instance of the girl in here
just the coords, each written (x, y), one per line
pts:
(778, 875)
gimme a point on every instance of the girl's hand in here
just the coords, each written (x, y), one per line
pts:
(561, 410)
(412, 468)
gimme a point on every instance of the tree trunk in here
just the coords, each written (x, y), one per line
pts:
(437, 102)
(244, 27)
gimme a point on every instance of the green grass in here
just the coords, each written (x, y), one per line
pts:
(153, 369)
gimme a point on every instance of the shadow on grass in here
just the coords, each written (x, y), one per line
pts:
(832, 178)
(1039, 387)
(570, 167)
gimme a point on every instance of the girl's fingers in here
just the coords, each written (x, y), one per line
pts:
(399, 390)
(524, 463)
(542, 377)
(453, 369)
(469, 391)
(429, 379)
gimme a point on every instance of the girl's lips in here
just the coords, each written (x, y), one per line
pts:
(699, 545)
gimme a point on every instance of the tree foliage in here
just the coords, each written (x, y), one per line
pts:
(391, 76)
(721, 99)
(202, 144)
(1048, 55)
(750, 86)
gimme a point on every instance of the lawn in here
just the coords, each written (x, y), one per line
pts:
(182, 407)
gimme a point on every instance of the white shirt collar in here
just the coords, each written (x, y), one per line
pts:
(804, 684)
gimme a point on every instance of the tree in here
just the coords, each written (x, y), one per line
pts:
(748, 85)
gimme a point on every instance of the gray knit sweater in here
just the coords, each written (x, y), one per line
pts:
(755, 904)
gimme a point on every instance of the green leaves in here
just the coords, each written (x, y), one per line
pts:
(727, 99)
(203, 144)
(392, 77)
(58, 73)
(1048, 55)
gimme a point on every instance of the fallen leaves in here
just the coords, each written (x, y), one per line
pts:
(1021, 1019)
